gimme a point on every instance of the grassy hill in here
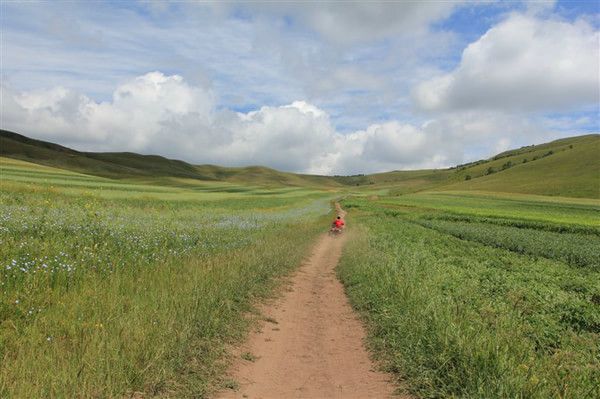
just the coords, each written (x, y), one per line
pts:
(120, 165)
(113, 165)
(567, 167)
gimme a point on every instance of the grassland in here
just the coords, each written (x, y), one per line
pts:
(124, 274)
(113, 288)
(548, 210)
(474, 296)
(567, 167)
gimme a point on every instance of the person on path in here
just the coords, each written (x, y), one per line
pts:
(338, 223)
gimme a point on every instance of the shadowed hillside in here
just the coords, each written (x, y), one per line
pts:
(118, 165)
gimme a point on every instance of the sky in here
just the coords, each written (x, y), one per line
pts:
(323, 87)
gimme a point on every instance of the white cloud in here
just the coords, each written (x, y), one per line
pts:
(165, 115)
(162, 114)
(391, 146)
(523, 63)
(535, 7)
(131, 119)
(360, 69)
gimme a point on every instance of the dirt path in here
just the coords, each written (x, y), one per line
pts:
(312, 344)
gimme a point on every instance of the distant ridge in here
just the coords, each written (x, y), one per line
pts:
(566, 167)
(119, 165)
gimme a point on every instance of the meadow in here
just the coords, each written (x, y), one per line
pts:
(127, 275)
(113, 288)
(476, 295)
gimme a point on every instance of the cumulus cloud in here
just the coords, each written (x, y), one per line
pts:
(392, 146)
(155, 113)
(523, 63)
(131, 119)
(166, 115)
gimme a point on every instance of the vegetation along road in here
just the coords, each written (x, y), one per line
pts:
(311, 343)
(125, 275)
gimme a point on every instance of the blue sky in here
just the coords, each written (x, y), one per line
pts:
(437, 82)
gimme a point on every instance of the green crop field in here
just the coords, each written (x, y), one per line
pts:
(112, 287)
(480, 294)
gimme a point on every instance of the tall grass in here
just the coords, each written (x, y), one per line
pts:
(135, 295)
(158, 330)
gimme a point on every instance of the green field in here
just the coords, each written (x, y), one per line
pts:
(480, 295)
(127, 275)
(111, 287)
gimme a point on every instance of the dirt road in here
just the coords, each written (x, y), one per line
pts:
(311, 345)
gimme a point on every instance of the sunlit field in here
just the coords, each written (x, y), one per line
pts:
(113, 288)
(300, 199)
(480, 294)
(137, 287)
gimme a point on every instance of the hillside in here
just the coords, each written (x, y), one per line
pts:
(119, 165)
(567, 167)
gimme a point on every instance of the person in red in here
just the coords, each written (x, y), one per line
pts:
(338, 223)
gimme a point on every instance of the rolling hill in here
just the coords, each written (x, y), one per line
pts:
(123, 165)
(567, 167)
